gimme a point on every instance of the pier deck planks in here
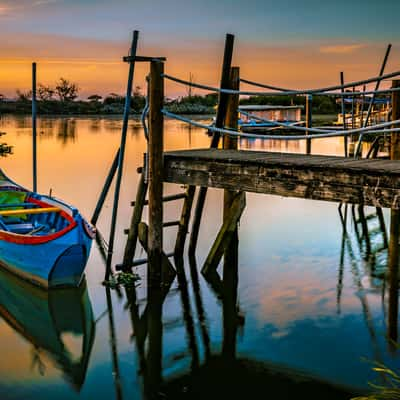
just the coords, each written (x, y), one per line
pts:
(330, 178)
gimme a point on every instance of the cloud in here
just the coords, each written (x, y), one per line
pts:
(341, 48)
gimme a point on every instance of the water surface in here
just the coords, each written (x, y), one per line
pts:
(311, 297)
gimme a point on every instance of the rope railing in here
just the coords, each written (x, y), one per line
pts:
(324, 89)
(317, 130)
(326, 134)
(284, 92)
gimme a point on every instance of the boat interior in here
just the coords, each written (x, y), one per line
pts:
(24, 213)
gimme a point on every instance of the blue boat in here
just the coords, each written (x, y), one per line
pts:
(42, 239)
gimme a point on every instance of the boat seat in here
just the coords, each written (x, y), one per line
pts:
(20, 228)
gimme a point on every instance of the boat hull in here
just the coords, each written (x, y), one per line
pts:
(60, 262)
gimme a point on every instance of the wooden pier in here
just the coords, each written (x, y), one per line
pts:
(339, 179)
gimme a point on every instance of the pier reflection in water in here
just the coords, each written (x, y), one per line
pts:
(213, 374)
(300, 307)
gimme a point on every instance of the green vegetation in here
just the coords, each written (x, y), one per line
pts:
(391, 391)
(127, 279)
(62, 99)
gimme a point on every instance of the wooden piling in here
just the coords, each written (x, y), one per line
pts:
(167, 270)
(393, 261)
(231, 253)
(395, 139)
(156, 146)
(231, 143)
(130, 246)
(226, 232)
(219, 123)
(105, 189)
(345, 138)
(34, 128)
(308, 120)
(121, 153)
(184, 221)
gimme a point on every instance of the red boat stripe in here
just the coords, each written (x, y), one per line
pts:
(25, 239)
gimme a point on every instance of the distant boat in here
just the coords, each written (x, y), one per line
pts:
(58, 323)
(380, 112)
(42, 239)
(290, 115)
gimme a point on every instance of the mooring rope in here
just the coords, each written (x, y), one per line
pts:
(316, 130)
(282, 92)
(324, 89)
(235, 133)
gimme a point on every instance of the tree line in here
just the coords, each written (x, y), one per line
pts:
(63, 98)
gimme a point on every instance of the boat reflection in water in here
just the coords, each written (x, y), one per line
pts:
(58, 323)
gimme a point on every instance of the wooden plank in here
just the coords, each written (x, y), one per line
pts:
(372, 182)
(285, 159)
(8, 213)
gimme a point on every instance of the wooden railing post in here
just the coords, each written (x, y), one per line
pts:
(395, 139)
(393, 260)
(156, 146)
(219, 123)
(308, 120)
(34, 132)
(229, 142)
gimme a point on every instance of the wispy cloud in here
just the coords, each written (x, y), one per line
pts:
(341, 48)
(8, 7)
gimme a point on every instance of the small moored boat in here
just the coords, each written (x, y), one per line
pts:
(290, 115)
(42, 239)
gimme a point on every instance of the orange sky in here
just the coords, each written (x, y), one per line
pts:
(96, 64)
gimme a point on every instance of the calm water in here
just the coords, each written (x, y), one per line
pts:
(311, 301)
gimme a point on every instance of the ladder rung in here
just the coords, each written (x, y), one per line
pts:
(165, 225)
(171, 197)
(170, 223)
(141, 261)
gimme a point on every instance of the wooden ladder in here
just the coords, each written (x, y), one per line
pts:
(138, 229)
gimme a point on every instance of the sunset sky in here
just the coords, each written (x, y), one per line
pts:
(290, 43)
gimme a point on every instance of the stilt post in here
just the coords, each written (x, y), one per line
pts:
(231, 143)
(395, 139)
(34, 124)
(393, 260)
(219, 123)
(345, 138)
(131, 242)
(156, 145)
(105, 189)
(308, 120)
(122, 152)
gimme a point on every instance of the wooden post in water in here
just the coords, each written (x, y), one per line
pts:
(393, 261)
(106, 188)
(395, 139)
(34, 132)
(231, 143)
(156, 146)
(121, 153)
(345, 138)
(219, 123)
(130, 246)
(308, 120)
(231, 256)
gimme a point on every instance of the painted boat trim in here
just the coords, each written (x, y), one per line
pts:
(31, 239)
